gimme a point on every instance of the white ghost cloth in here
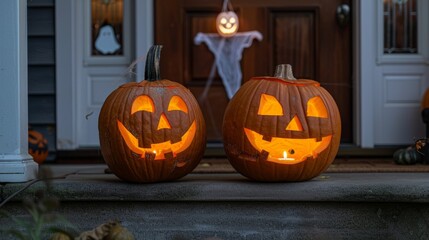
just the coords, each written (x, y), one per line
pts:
(106, 42)
(228, 52)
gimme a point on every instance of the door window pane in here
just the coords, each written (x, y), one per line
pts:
(400, 26)
(107, 27)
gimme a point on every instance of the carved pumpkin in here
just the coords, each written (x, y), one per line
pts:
(37, 146)
(151, 130)
(227, 23)
(281, 129)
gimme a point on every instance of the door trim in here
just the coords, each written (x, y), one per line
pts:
(68, 52)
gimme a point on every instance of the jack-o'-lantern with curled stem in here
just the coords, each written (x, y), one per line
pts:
(152, 130)
(281, 128)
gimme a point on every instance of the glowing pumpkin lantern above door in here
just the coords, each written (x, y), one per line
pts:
(227, 24)
(281, 128)
(152, 130)
(227, 21)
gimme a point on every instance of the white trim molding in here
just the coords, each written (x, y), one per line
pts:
(65, 50)
(16, 165)
(391, 85)
(367, 50)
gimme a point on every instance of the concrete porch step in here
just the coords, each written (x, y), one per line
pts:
(228, 206)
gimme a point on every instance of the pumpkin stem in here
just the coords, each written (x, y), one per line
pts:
(284, 71)
(151, 70)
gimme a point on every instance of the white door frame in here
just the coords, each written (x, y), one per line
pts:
(389, 86)
(68, 53)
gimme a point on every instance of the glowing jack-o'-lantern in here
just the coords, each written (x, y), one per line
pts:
(227, 23)
(281, 128)
(37, 146)
(152, 130)
(145, 103)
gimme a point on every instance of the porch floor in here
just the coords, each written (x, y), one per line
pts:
(353, 199)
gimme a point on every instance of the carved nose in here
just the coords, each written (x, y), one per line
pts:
(163, 122)
(294, 124)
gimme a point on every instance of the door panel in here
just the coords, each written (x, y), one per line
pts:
(99, 74)
(303, 33)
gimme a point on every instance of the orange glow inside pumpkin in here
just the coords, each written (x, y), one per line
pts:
(297, 149)
(145, 103)
(270, 106)
(316, 108)
(289, 150)
(177, 103)
(163, 123)
(294, 124)
(159, 149)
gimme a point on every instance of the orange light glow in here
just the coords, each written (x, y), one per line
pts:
(316, 108)
(143, 103)
(163, 123)
(227, 23)
(270, 106)
(299, 149)
(177, 103)
(285, 157)
(159, 149)
(294, 124)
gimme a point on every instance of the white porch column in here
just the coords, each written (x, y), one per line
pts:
(16, 165)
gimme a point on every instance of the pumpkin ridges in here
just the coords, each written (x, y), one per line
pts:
(132, 167)
(125, 120)
(296, 99)
(240, 111)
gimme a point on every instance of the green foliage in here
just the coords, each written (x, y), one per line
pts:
(44, 221)
(41, 209)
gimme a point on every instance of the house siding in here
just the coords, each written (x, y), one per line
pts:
(41, 70)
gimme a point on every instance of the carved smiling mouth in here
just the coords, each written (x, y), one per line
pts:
(227, 30)
(288, 150)
(159, 149)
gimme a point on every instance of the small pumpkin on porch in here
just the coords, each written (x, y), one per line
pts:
(151, 130)
(281, 128)
(37, 146)
(407, 156)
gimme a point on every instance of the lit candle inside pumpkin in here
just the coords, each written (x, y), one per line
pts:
(285, 157)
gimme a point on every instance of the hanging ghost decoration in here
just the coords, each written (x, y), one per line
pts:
(106, 42)
(227, 53)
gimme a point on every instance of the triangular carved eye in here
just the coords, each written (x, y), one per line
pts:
(316, 108)
(177, 103)
(143, 103)
(270, 106)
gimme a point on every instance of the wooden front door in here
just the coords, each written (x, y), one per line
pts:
(304, 33)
